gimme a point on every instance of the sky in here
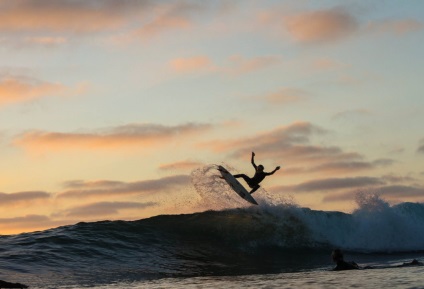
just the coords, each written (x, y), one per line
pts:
(107, 106)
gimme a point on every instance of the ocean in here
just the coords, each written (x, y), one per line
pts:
(273, 245)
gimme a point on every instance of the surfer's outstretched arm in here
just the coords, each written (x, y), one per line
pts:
(271, 173)
(253, 161)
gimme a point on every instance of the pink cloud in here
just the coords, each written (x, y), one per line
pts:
(67, 15)
(397, 27)
(81, 189)
(131, 135)
(331, 184)
(191, 64)
(240, 65)
(103, 209)
(285, 95)
(291, 146)
(321, 26)
(22, 197)
(182, 165)
(20, 89)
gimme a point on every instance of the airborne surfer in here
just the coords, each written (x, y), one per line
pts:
(258, 177)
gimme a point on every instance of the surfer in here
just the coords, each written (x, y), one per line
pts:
(341, 264)
(258, 177)
(4, 284)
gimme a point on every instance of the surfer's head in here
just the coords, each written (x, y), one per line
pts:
(337, 255)
(261, 168)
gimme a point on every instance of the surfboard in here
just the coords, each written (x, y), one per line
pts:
(236, 186)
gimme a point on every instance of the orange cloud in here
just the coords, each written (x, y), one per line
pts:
(285, 95)
(146, 135)
(291, 145)
(191, 64)
(397, 27)
(80, 189)
(331, 184)
(14, 89)
(103, 209)
(395, 192)
(183, 165)
(67, 15)
(22, 197)
(321, 26)
(241, 65)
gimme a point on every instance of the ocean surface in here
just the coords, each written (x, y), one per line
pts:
(273, 245)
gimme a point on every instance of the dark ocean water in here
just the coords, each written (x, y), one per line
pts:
(265, 239)
(234, 240)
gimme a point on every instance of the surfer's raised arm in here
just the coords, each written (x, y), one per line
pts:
(253, 161)
(271, 173)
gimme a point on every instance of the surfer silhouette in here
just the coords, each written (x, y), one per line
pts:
(258, 177)
(341, 264)
(4, 284)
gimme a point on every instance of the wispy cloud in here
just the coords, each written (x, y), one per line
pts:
(238, 64)
(397, 27)
(22, 197)
(123, 20)
(21, 89)
(331, 184)
(286, 143)
(285, 95)
(321, 26)
(147, 135)
(234, 65)
(402, 192)
(67, 15)
(82, 189)
(103, 209)
(353, 113)
(182, 165)
(191, 64)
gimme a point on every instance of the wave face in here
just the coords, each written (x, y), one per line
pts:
(232, 239)
(263, 239)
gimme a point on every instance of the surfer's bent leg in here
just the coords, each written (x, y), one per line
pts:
(245, 178)
(255, 188)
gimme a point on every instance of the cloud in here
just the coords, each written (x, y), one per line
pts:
(393, 191)
(20, 89)
(191, 64)
(350, 114)
(28, 220)
(29, 223)
(327, 64)
(20, 197)
(289, 144)
(340, 167)
(78, 189)
(234, 65)
(397, 27)
(321, 26)
(68, 15)
(104, 209)
(123, 21)
(240, 65)
(331, 184)
(176, 15)
(139, 135)
(285, 95)
(182, 165)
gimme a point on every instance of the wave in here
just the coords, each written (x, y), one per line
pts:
(271, 237)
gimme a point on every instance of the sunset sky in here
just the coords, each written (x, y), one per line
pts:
(107, 106)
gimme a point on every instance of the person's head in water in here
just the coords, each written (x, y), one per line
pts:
(261, 168)
(337, 255)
